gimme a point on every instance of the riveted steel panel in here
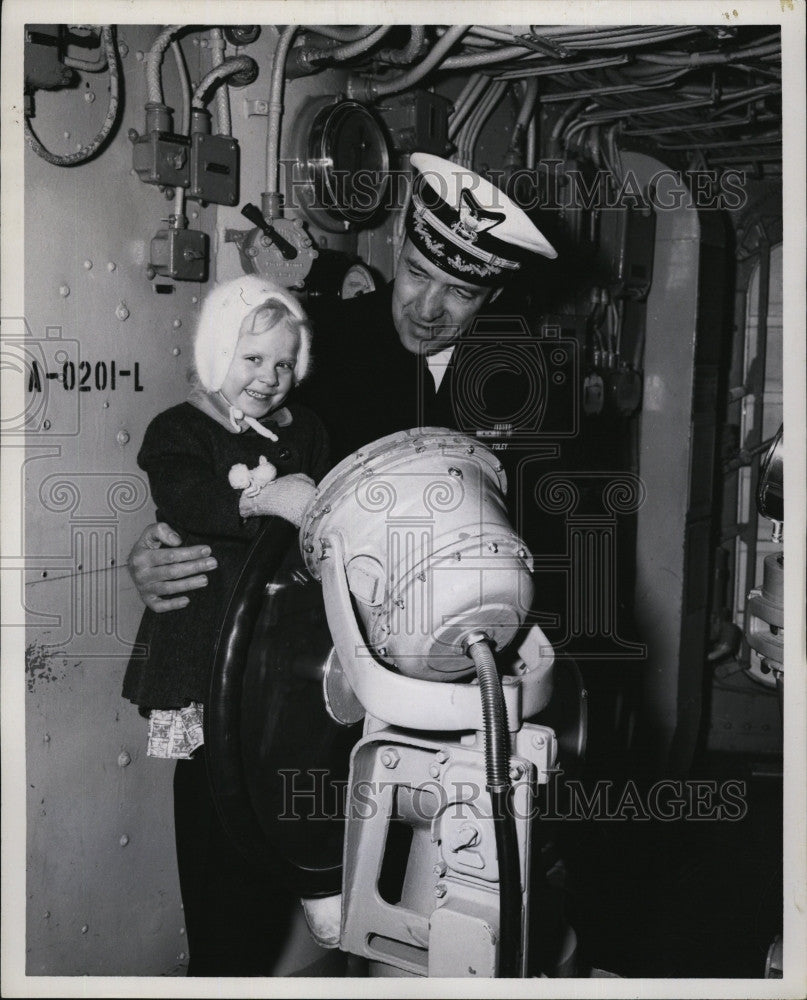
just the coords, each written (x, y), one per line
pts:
(101, 886)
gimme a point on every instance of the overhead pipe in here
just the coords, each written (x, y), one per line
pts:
(761, 140)
(619, 40)
(709, 58)
(514, 157)
(699, 126)
(532, 144)
(341, 34)
(593, 117)
(554, 69)
(486, 58)
(478, 118)
(410, 52)
(465, 102)
(557, 129)
(501, 34)
(352, 49)
(746, 99)
(581, 125)
(463, 153)
(622, 88)
(306, 59)
(365, 91)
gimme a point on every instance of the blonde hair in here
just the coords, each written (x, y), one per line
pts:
(272, 313)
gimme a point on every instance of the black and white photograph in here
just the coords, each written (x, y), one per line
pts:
(403, 499)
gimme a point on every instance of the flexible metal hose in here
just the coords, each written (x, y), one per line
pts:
(223, 93)
(412, 49)
(417, 73)
(486, 58)
(351, 49)
(230, 66)
(341, 34)
(494, 714)
(154, 62)
(92, 147)
(497, 775)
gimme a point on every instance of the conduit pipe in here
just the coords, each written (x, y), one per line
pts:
(236, 64)
(306, 59)
(154, 62)
(410, 52)
(696, 59)
(465, 102)
(560, 125)
(185, 121)
(532, 144)
(88, 151)
(184, 86)
(622, 88)
(350, 49)
(341, 34)
(466, 139)
(530, 96)
(554, 69)
(223, 93)
(486, 58)
(514, 157)
(368, 90)
(272, 206)
(477, 123)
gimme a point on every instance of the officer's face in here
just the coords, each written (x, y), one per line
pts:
(430, 308)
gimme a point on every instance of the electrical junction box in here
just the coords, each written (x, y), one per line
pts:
(44, 69)
(214, 169)
(162, 158)
(181, 254)
(627, 242)
(417, 120)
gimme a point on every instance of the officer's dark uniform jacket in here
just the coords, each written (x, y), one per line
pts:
(365, 384)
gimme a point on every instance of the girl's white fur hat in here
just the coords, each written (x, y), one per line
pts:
(224, 310)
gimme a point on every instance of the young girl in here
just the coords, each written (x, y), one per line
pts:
(252, 347)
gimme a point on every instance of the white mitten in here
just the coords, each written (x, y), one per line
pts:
(287, 497)
(324, 919)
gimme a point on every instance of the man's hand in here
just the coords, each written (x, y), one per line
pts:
(159, 572)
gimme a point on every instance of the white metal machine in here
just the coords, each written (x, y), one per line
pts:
(423, 580)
